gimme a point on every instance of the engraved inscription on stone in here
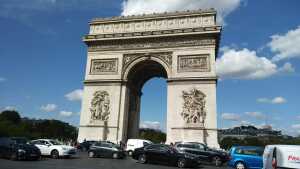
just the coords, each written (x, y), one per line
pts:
(193, 109)
(104, 66)
(100, 106)
(193, 63)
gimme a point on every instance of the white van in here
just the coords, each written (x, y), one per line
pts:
(132, 144)
(281, 157)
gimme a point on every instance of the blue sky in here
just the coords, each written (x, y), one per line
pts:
(42, 59)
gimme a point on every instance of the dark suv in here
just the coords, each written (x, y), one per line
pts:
(106, 149)
(17, 149)
(204, 153)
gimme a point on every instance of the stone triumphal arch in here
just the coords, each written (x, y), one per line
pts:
(124, 52)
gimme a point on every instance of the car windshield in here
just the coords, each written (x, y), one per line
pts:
(54, 142)
(115, 145)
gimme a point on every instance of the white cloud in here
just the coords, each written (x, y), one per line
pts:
(245, 64)
(287, 68)
(279, 100)
(66, 113)
(275, 100)
(246, 123)
(48, 107)
(296, 126)
(2, 79)
(230, 116)
(9, 108)
(256, 115)
(224, 7)
(286, 46)
(75, 95)
(150, 124)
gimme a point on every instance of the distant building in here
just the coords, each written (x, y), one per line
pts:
(248, 131)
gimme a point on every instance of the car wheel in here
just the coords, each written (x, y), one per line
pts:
(55, 154)
(91, 154)
(216, 160)
(14, 156)
(240, 165)
(181, 163)
(130, 153)
(142, 158)
(115, 155)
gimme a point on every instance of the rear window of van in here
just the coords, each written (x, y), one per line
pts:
(250, 151)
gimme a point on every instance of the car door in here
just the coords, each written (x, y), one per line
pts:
(159, 154)
(152, 152)
(203, 152)
(105, 149)
(42, 146)
(252, 156)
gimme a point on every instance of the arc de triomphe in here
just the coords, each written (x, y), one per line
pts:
(124, 52)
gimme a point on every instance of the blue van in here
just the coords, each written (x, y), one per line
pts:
(246, 157)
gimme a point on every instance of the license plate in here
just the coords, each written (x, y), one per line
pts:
(33, 155)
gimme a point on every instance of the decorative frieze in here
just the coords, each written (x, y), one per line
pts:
(193, 63)
(100, 106)
(166, 57)
(193, 109)
(104, 66)
(162, 42)
(152, 24)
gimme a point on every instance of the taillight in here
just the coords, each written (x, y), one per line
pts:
(274, 163)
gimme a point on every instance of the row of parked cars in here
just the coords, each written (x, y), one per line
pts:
(181, 154)
(21, 149)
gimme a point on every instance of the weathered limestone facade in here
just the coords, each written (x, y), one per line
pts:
(125, 52)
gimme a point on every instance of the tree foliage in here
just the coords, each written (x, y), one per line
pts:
(227, 142)
(12, 125)
(156, 136)
(10, 115)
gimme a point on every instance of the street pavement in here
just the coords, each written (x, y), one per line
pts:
(81, 161)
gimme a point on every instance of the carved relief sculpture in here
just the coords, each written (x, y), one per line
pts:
(104, 66)
(194, 111)
(193, 63)
(166, 57)
(100, 106)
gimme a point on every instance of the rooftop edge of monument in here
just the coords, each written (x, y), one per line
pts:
(210, 11)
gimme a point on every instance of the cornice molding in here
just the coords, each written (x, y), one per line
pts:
(155, 15)
(149, 34)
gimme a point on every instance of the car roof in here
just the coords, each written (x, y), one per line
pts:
(283, 146)
(42, 140)
(247, 147)
(187, 142)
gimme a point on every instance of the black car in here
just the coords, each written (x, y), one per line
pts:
(164, 154)
(85, 146)
(204, 153)
(106, 149)
(18, 149)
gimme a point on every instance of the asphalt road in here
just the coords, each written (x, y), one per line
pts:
(83, 162)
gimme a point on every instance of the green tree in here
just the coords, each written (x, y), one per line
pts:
(10, 115)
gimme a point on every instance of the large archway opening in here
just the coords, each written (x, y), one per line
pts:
(138, 75)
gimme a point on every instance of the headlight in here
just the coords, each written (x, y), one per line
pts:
(115, 149)
(64, 149)
(21, 151)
